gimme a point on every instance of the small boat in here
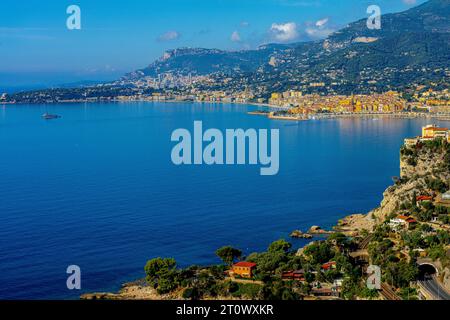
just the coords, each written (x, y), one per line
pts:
(48, 116)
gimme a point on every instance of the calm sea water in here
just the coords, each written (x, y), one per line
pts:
(97, 188)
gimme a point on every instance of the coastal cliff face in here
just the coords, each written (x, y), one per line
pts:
(424, 171)
(418, 165)
(426, 161)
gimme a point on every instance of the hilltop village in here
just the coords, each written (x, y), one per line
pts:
(407, 237)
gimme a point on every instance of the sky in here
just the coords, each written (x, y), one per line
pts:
(116, 36)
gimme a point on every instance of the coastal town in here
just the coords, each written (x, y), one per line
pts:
(288, 105)
(407, 237)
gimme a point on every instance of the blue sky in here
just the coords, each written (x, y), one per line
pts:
(120, 36)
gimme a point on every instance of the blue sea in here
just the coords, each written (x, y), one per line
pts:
(97, 189)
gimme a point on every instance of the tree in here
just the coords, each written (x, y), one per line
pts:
(280, 245)
(158, 266)
(444, 218)
(269, 262)
(162, 274)
(167, 283)
(309, 277)
(340, 239)
(228, 254)
(425, 227)
(368, 293)
(408, 293)
(350, 288)
(278, 290)
(274, 260)
(436, 185)
(400, 274)
(414, 199)
(319, 252)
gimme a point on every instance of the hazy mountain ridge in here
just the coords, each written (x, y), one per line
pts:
(201, 61)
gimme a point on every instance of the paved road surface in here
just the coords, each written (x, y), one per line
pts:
(433, 287)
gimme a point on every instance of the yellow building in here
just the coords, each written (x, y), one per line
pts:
(432, 132)
(243, 269)
(275, 96)
(295, 94)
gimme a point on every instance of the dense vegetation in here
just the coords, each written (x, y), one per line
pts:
(199, 282)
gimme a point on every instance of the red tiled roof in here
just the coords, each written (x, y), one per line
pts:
(407, 219)
(245, 264)
(291, 273)
(424, 198)
(328, 265)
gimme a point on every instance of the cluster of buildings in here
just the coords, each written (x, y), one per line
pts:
(245, 270)
(172, 87)
(222, 96)
(166, 81)
(429, 133)
(402, 222)
(430, 100)
(389, 102)
(194, 95)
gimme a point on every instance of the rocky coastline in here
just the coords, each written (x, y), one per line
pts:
(413, 180)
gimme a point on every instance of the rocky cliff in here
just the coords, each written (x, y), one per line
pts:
(424, 169)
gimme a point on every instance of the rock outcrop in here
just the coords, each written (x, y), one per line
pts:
(417, 165)
(318, 230)
(300, 235)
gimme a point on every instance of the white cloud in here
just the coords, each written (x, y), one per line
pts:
(319, 29)
(235, 37)
(322, 22)
(284, 32)
(169, 36)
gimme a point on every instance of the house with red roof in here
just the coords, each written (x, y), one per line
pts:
(402, 222)
(243, 269)
(298, 275)
(432, 132)
(424, 199)
(408, 220)
(329, 265)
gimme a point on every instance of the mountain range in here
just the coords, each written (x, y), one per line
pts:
(411, 46)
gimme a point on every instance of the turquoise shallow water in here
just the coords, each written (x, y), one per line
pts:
(97, 188)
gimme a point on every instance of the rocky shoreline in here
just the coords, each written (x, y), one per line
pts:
(137, 290)
(313, 231)
(413, 180)
(351, 225)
